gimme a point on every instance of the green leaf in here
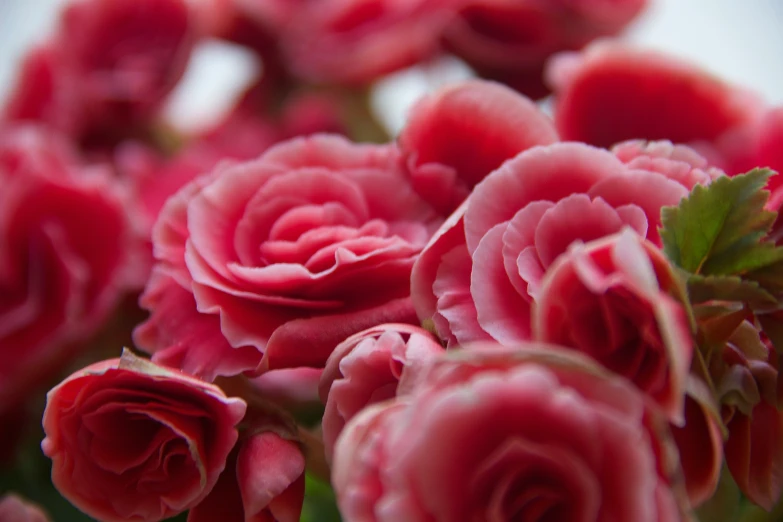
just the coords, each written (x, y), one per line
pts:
(715, 222)
(702, 289)
(319, 502)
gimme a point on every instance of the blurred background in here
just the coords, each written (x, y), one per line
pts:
(740, 40)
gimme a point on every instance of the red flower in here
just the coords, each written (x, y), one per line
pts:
(611, 299)
(65, 257)
(522, 433)
(368, 368)
(610, 93)
(132, 440)
(295, 251)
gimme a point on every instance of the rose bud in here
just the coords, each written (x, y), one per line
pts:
(15, 509)
(130, 440)
(610, 93)
(368, 368)
(264, 479)
(523, 433)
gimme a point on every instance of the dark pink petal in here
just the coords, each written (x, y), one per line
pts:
(501, 311)
(542, 173)
(611, 93)
(425, 269)
(177, 335)
(647, 190)
(754, 454)
(457, 136)
(578, 217)
(267, 465)
(700, 447)
(310, 341)
(456, 318)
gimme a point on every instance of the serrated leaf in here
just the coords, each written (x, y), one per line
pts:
(744, 258)
(712, 221)
(769, 277)
(702, 289)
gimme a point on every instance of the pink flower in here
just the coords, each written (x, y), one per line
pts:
(509, 40)
(679, 163)
(263, 481)
(508, 434)
(294, 251)
(15, 509)
(65, 256)
(108, 68)
(124, 55)
(457, 136)
(611, 93)
(480, 274)
(358, 41)
(368, 368)
(130, 440)
(612, 300)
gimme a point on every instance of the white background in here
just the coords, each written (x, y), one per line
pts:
(741, 40)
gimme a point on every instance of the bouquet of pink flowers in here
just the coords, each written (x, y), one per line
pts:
(498, 315)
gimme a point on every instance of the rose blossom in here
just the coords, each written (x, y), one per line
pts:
(456, 136)
(294, 251)
(498, 433)
(367, 368)
(509, 40)
(358, 41)
(124, 55)
(132, 440)
(15, 509)
(65, 255)
(610, 93)
(610, 299)
(479, 275)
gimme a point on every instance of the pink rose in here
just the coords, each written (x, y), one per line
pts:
(508, 434)
(65, 256)
(612, 299)
(295, 251)
(509, 40)
(610, 93)
(124, 55)
(264, 479)
(458, 135)
(41, 93)
(480, 274)
(132, 440)
(679, 163)
(367, 368)
(15, 509)
(358, 41)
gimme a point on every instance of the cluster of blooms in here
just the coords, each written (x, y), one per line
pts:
(499, 315)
